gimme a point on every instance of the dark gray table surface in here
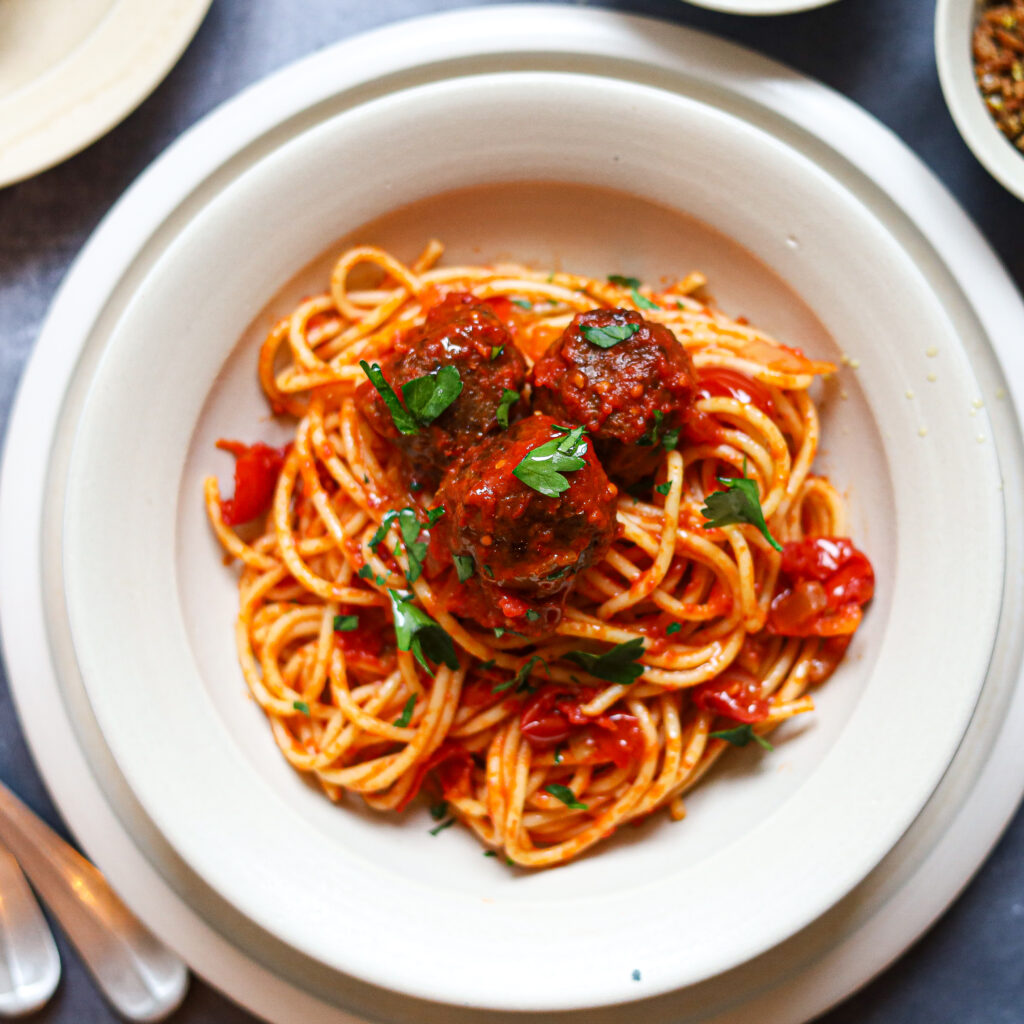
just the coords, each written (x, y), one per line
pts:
(970, 967)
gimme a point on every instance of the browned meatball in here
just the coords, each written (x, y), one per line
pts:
(460, 331)
(628, 395)
(526, 546)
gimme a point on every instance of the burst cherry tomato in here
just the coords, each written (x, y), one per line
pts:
(257, 467)
(823, 583)
(721, 382)
(734, 694)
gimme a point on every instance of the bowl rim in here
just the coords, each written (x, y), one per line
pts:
(954, 22)
(80, 608)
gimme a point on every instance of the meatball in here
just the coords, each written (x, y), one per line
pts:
(526, 547)
(627, 395)
(460, 331)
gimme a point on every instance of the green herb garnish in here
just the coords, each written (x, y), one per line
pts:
(741, 736)
(366, 573)
(566, 795)
(439, 810)
(485, 665)
(490, 853)
(532, 615)
(624, 282)
(425, 397)
(619, 665)
(345, 623)
(542, 468)
(606, 337)
(508, 399)
(521, 303)
(488, 571)
(442, 826)
(739, 503)
(496, 351)
(664, 488)
(433, 514)
(400, 416)
(463, 566)
(673, 627)
(670, 439)
(301, 705)
(406, 716)
(521, 679)
(642, 301)
(416, 631)
(409, 527)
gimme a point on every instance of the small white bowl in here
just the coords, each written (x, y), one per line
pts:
(954, 25)
(760, 7)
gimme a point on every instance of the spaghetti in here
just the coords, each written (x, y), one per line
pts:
(372, 629)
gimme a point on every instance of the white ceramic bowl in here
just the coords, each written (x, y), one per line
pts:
(954, 26)
(760, 7)
(770, 843)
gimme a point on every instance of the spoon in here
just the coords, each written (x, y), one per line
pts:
(29, 964)
(142, 978)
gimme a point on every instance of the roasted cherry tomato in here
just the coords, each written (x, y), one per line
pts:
(823, 584)
(734, 694)
(257, 467)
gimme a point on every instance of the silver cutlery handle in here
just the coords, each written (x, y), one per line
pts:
(29, 964)
(140, 976)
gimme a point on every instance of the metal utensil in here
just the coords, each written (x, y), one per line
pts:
(29, 964)
(141, 977)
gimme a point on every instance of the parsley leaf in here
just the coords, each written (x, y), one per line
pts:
(490, 853)
(500, 631)
(485, 665)
(670, 439)
(406, 716)
(642, 301)
(403, 421)
(463, 566)
(619, 665)
(606, 337)
(439, 810)
(566, 795)
(489, 571)
(542, 468)
(521, 303)
(345, 623)
(425, 397)
(442, 826)
(409, 527)
(741, 736)
(739, 503)
(301, 705)
(624, 282)
(521, 679)
(366, 573)
(416, 631)
(428, 396)
(532, 615)
(651, 437)
(496, 351)
(433, 514)
(664, 488)
(673, 627)
(508, 399)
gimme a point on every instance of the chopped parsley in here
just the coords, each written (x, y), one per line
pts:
(741, 736)
(490, 853)
(642, 301)
(557, 574)
(619, 665)
(366, 573)
(439, 810)
(521, 303)
(543, 468)
(670, 439)
(463, 566)
(532, 615)
(488, 571)
(406, 716)
(508, 399)
(673, 627)
(664, 488)
(612, 334)
(739, 503)
(496, 351)
(416, 631)
(500, 631)
(521, 679)
(566, 795)
(302, 706)
(425, 397)
(654, 434)
(409, 527)
(485, 665)
(345, 623)
(624, 282)
(440, 828)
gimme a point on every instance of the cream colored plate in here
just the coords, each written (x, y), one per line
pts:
(72, 69)
(792, 982)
